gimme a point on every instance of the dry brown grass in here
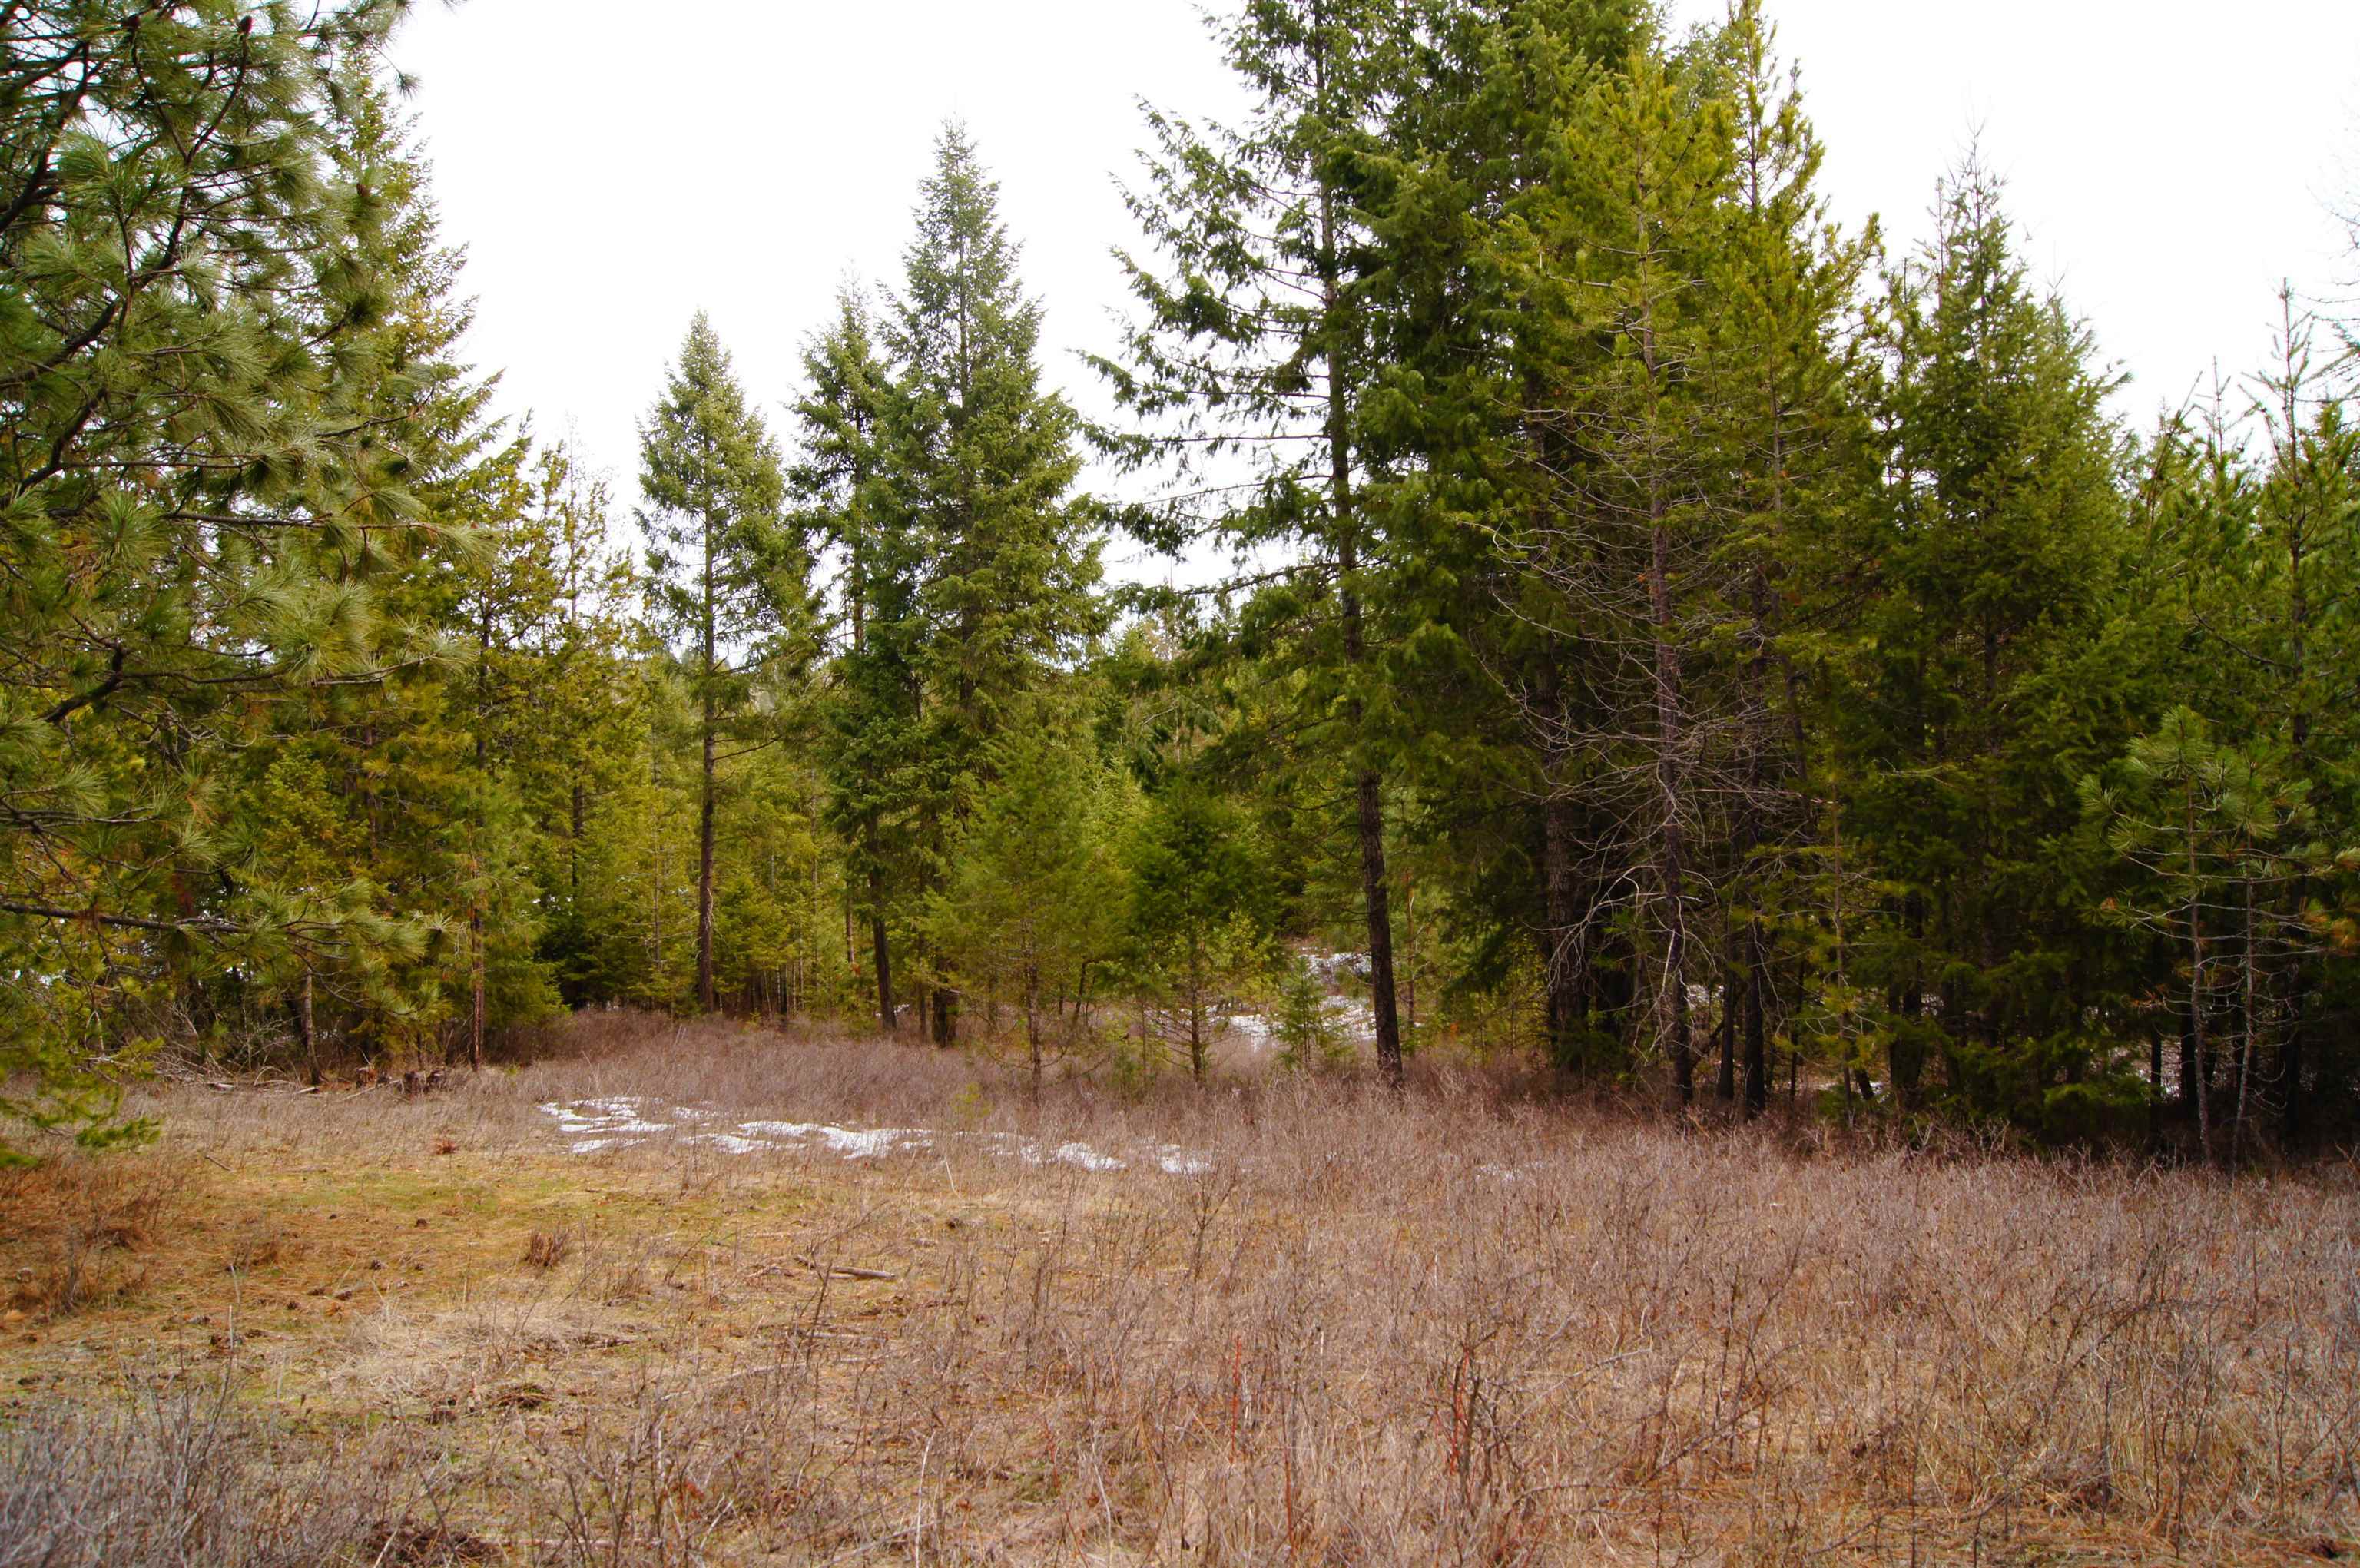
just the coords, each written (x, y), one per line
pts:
(1462, 1326)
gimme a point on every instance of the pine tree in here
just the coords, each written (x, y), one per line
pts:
(726, 581)
(190, 289)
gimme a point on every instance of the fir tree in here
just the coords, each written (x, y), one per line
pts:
(844, 482)
(726, 581)
(1983, 696)
(985, 464)
(1253, 352)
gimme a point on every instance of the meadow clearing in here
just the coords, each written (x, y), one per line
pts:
(711, 1293)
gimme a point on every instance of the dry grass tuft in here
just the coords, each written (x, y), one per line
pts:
(81, 1228)
(547, 1249)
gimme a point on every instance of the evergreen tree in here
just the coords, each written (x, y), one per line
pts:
(727, 585)
(1031, 905)
(1984, 691)
(1253, 352)
(1795, 482)
(844, 482)
(1200, 907)
(196, 507)
(985, 464)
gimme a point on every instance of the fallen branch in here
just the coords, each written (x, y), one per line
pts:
(845, 1272)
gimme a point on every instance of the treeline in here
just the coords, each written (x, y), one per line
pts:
(1661, 633)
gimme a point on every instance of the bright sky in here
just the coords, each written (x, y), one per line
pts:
(611, 172)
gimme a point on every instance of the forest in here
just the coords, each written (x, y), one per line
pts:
(1644, 633)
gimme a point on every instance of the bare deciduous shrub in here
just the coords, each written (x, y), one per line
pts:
(176, 1479)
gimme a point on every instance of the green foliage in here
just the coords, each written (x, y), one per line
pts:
(1030, 912)
(1656, 627)
(198, 500)
(1201, 909)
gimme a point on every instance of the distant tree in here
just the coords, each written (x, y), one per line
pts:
(2222, 841)
(1200, 907)
(1031, 905)
(728, 582)
(985, 463)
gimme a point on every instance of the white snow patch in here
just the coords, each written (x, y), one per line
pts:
(604, 1117)
(851, 1143)
(593, 1126)
(1080, 1155)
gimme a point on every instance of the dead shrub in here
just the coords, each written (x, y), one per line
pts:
(79, 1228)
(547, 1249)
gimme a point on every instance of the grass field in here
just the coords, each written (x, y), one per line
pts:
(1287, 1320)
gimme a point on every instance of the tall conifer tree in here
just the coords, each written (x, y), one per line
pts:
(1254, 354)
(727, 584)
(845, 481)
(987, 463)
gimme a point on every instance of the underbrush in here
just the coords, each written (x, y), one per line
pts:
(1466, 1324)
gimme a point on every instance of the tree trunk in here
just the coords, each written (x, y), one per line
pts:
(478, 1011)
(2246, 1060)
(705, 998)
(707, 1001)
(1724, 1088)
(1757, 1052)
(1671, 848)
(945, 1018)
(303, 1031)
(1374, 883)
(2196, 1012)
(1561, 974)
(881, 949)
(1032, 1022)
(880, 943)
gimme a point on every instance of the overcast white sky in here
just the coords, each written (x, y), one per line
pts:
(613, 166)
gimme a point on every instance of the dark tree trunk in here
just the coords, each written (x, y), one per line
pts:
(706, 998)
(2291, 1063)
(1672, 847)
(882, 950)
(304, 1030)
(1724, 1088)
(1757, 1047)
(1374, 881)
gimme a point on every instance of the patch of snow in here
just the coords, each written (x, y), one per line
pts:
(1081, 1154)
(851, 1143)
(620, 1115)
(1332, 967)
(592, 1126)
